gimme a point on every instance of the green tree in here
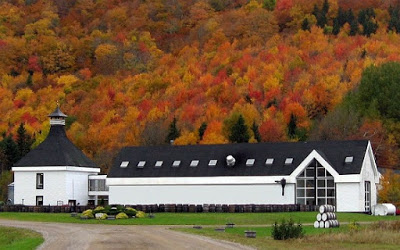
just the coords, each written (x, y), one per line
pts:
(10, 150)
(269, 4)
(5, 179)
(292, 126)
(354, 28)
(256, 132)
(202, 130)
(239, 132)
(24, 141)
(305, 25)
(29, 81)
(173, 131)
(336, 26)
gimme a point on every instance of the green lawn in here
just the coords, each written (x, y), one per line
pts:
(18, 238)
(197, 218)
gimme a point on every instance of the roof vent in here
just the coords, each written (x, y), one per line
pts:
(124, 164)
(230, 161)
(158, 164)
(194, 163)
(269, 161)
(288, 161)
(348, 159)
(250, 162)
(141, 164)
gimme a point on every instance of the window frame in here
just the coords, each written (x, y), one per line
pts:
(37, 200)
(39, 180)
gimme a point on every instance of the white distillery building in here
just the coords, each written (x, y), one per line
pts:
(54, 173)
(341, 173)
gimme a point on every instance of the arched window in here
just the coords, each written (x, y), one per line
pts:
(315, 186)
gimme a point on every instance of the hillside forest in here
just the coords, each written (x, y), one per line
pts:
(199, 72)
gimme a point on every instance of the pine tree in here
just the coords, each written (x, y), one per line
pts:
(336, 26)
(29, 81)
(173, 132)
(10, 150)
(239, 132)
(305, 25)
(292, 126)
(24, 141)
(256, 133)
(202, 130)
(354, 28)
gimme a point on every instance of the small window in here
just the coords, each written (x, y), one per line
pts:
(141, 164)
(194, 163)
(39, 200)
(348, 159)
(250, 162)
(288, 161)
(124, 164)
(176, 164)
(269, 161)
(212, 163)
(158, 164)
(39, 180)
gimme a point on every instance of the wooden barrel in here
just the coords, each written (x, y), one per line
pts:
(328, 216)
(231, 208)
(326, 208)
(211, 208)
(192, 208)
(205, 208)
(319, 217)
(225, 208)
(218, 208)
(316, 224)
(321, 224)
(327, 224)
(185, 208)
(179, 208)
(161, 208)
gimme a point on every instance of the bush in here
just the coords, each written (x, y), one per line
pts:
(287, 230)
(121, 215)
(101, 216)
(354, 226)
(99, 209)
(88, 213)
(130, 211)
(140, 214)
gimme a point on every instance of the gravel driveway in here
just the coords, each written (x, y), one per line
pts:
(87, 236)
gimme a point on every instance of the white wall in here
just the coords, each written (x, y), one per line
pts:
(369, 174)
(77, 187)
(348, 199)
(53, 189)
(202, 194)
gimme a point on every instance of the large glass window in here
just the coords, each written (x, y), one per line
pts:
(39, 181)
(367, 196)
(315, 186)
(98, 185)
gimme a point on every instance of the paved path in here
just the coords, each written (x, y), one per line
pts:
(88, 236)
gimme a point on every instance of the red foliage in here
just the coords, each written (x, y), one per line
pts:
(19, 103)
(34, 64)
(271, 131)
(28, 118)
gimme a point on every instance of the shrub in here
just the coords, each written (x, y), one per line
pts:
(354, 226)
(99, 209)
(88, 213)
(101, 216)
(121, 215)
(140, 214)
(130, 211)
(287, 230)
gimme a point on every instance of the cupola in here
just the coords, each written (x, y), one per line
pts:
(57, 117)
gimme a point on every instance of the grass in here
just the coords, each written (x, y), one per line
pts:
(197, 218)
(18, 238)
(344, 237)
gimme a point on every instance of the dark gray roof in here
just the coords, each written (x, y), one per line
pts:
(56, 150)
(334, 152)
(57, 113)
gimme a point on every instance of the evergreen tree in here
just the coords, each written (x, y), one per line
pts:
(394, 22)
(336, 26)
(202, 130)
(173, 131)
(239, 132)
(305, 25)
(24, 141)
(269, 4)
(29, 81)
(292, 126)
(354, 28)
(325, 8)
(10, 150)
(341, 17)
(256, 133)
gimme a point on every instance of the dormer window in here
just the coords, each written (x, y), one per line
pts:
(176, 164)
(212, 163)
(250, 162)
(194, 163)
(348, 159)
(124, 164)
(269, 161)
(158, 164)
(288, 161)
(141, 164)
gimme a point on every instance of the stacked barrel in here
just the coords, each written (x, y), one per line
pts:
(326, 218)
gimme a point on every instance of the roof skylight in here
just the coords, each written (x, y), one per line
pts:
(194, 163)
(269, 161)
(348, 159)
(158, 164)
(124, 164)
(141, 164)
(176, 164)
(212, 163)
(288, 161)
(250, 162)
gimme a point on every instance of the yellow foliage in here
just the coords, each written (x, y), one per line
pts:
(187, 138)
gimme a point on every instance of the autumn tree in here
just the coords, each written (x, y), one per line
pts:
(24, 141)
(390, 191)
(173, 131)
(202, 130)
(256, 132)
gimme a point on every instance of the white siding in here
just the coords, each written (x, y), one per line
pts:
(77, 187)
(202, 194)
(348, 199)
